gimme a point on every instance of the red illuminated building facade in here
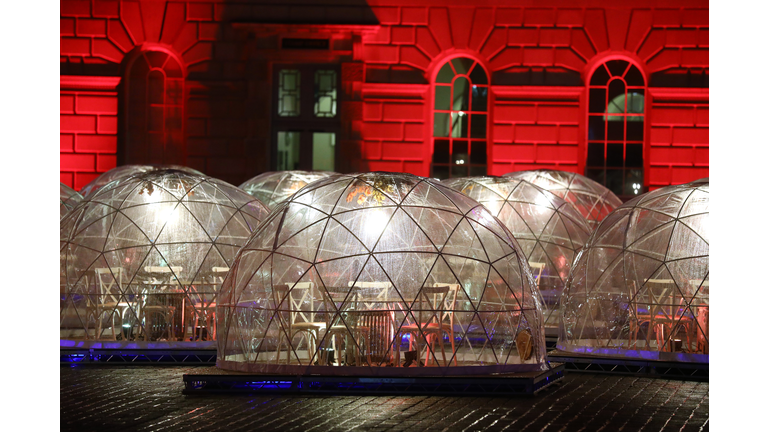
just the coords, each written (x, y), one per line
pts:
(617, 91)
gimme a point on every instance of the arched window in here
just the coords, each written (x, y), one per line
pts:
(616, 123)
(154, 110)
(461, 119)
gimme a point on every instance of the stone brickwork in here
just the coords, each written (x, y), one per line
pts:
(679, 139)
(88, 124)
(529, 46)
(539, 59)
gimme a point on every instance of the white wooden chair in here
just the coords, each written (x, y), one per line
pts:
(671, 317)
(110, 299)
(301, 320)
(159, 304)
(203, 305)
(337, 329)
(382, 290)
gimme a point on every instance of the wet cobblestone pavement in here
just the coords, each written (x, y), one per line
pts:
(94, 398)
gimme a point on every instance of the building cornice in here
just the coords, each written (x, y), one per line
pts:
(83, 82)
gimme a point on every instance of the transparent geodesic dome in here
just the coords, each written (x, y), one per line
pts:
(68, 199)
(273, 187)
(640, 286)
(549, 230)
(368, 273)
(593, 200)
(143, 260)
(126, 171)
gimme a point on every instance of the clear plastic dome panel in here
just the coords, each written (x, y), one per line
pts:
(68, 199)
(593, 200)
(118, 174)
(274, 187)
(368, 275)
(143, 260)
(549, 230)
(640, 287)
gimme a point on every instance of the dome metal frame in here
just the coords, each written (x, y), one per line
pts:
(68, 199)
(640, 286)
(142, 260)
(549, 230)
(274, 187)
(304, 293)
(593, 200)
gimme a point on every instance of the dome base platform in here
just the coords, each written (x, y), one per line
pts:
(137, 357)
(512, 384)
(575, 362)
(122, 353)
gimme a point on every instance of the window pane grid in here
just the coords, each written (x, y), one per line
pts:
(307, 111)
(288, 150)
(616, 127)
(325, 93)
(288, 93)
(460, 119)
(154, 112)
(165, 97)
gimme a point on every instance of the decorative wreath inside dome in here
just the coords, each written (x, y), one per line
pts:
(127, 171)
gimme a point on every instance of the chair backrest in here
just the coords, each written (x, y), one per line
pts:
(430, 304)
(110, 284)
(641, 303)
(659, 287)
(382, 288)
(370, 284)
(703, 287)
(219, 273)
(536, 269)
(282, 302)
(450, 299)
(331, 301)
(377, 334)
(634, 305)
(161, 272)
(206, 294)
(299, 293)
(279, 292)
(524, 343)
(663, 297)
(163, 269)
